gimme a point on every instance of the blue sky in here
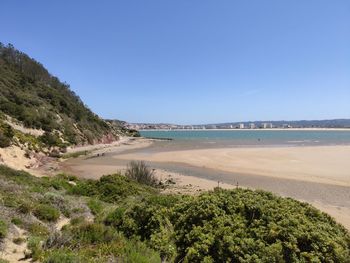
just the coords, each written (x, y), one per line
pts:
(192, 61)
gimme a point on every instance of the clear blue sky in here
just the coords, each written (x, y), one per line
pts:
(192, 61)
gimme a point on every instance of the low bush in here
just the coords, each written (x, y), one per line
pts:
(17, 221)
(19, 240)
(93, 233)
(74, 154)
(3, 229)
(141, 173)
(4, 141)
(38, 229)
(62, 256)
(95, 206)
(111, 188)
(6, 135)
(46, 213)
(51, 139)
(35, 248)
(25, 207)
(235, 226)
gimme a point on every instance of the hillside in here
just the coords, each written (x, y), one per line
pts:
(39, 110)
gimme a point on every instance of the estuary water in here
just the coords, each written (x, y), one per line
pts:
(243, 138)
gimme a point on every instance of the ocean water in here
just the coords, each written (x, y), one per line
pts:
(240, 138)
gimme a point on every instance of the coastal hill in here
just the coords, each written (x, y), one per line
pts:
(38, 111)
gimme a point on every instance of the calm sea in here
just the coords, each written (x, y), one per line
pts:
(237, 138)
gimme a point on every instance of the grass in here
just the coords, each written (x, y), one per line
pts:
(63, 256)
(38, 230)
(74, 154)
(46, 213)
(95, 206)
(3, 229)
(141, 173)
(17, 221)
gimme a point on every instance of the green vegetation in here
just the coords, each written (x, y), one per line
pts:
(74, 154)
(95, 206)
(46, 213)
(141, 173)
(118, 219)
(111, 188)
(6, 134)
(17, 221)
(31, 95)
(3, 229)
(34, 204)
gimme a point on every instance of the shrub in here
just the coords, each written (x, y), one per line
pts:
(62, 256)
(46, 213)
(95, 206)
(25, 207)
(235, 226)
(3, 229)
(141, 173)
(93, 233)
(38, 229)
(115, 218)
(55, 154)
(136, 251)
(245, 226)
(111, 188)
(17, 221)
(51, 139)
(35, 247)
(4, 141)
(19, 240)
(74, 154)
(77, 220)
(6, 135)
(59, 182)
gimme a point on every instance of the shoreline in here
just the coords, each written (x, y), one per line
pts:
(54, 166)
(331, 198)
(319, 164)
(192, 185)
(253, 129)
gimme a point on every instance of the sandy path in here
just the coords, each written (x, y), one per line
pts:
(15, 252)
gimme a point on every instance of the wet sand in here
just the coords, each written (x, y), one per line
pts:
(320, 164)
(319, 175)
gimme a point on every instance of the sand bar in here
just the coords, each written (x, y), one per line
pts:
(318, 175)
(321, 164)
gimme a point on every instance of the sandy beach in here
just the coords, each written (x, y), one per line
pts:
(321, 164)
(318, 175)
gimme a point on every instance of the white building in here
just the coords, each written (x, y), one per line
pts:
(252, 125)
(241, 126)
(266, 125)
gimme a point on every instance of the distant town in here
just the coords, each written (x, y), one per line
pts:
(336, 123)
